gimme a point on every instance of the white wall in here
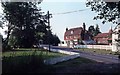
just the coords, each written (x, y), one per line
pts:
(114, 43)
(115, 35)
(60, 44)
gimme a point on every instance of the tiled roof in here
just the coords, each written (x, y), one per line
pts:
(76, 31)
(102, 35)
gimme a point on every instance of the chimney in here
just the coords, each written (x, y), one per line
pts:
(66, 29)
(84, 26)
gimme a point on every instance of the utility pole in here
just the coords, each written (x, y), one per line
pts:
(49, 16)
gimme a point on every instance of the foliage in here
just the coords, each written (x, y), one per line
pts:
(108, 11)
(94, 31)
(55, 40)
(25, 18)
(27, 25)
(97, 30)
(91, 29)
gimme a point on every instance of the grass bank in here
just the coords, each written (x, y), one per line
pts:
(27, 61)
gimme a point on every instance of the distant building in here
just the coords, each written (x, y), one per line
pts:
(104, 38)
(75, 36)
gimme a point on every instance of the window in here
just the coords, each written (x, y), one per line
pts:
(71, 32)
(75, 37)
(66, 37)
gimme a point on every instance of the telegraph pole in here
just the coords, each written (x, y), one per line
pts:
(48, 14)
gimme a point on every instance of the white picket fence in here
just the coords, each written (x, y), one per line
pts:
(106, 47)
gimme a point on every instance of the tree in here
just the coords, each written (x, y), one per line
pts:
(108, 11)
(55, 41)
(91, 29)
(97, 30)
(25, 21)
(27, 25)
(94, 31)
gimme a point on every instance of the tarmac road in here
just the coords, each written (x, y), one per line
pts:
(103, 58)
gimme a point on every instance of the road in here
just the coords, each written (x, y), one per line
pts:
(103, 58)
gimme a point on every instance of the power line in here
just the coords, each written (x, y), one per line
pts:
(70, 12)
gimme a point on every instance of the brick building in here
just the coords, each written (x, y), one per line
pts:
(104, 38)
(75, 36)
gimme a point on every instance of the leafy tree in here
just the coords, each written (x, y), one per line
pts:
(94, 31)
(26, 25)
(97, 30)
(56, 40)
(108, 11)
(91, 29)
(25, 21)
(51, 38)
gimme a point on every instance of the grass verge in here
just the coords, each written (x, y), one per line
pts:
(27, 61)
(98, 51)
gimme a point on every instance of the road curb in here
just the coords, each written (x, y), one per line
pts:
(71, 55)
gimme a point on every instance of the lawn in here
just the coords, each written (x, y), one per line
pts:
(26, 52)
(98, 51)
(31, 61)
(27, 61)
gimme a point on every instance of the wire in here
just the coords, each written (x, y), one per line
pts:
(69, 12)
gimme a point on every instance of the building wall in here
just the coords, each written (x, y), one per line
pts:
(63, 43)
(74, 35)
(102, 41)
(115, 37)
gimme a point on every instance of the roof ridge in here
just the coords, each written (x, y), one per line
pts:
(75, 28)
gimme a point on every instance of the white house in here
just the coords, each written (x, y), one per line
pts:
(116, 38)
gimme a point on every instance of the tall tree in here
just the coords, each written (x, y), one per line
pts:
(108, 11)
(97, 30)
(25, 21)
(26, 24)
(91, 29)
(94, 31)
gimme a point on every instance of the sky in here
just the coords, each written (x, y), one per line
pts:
(59, 22)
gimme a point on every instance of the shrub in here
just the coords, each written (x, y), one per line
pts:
(6, 48)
